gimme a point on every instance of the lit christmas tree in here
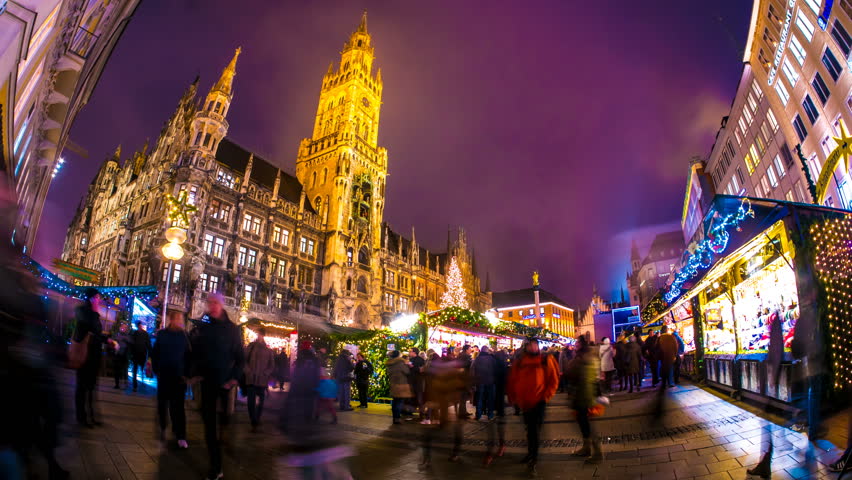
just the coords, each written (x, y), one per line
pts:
(455, 296)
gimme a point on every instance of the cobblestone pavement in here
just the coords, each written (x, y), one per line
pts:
(701, 435)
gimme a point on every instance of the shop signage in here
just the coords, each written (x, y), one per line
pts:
(782, 45)
(768, 254)
(77, 271)
(843, 150)
(826, 12)
(530, 317)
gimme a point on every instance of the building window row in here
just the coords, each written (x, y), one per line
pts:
(247, 257)
(306, 246)
(252, 223)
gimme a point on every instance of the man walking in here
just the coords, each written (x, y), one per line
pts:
(533, 380)
(140, 345)
(170, 362)
(465, 361)
(484, 372)
(118, 352)
(260, 363)
(343, 376)
(363, 372)
(218, 353)
(416, 364)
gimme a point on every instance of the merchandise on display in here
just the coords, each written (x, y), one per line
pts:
(767, 296)
(719, 329)
(441, 337)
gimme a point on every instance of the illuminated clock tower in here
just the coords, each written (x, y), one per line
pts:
(343, 172)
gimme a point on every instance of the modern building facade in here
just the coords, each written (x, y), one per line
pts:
(519, 306)
(794, 91)
(276, 245)
(52, 53)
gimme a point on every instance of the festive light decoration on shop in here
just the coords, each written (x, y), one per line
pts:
(179, 209)
(715, 243)
(833, 254)
(52, 282)
(463, 317)
(455, 296)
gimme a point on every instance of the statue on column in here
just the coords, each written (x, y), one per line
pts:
(332, 297)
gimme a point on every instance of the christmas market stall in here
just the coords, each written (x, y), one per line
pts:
(278, 335)
(123, 305)
(756, 267)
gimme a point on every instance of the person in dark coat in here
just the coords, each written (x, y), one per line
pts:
(219, 357)
(297, 416)
(651, 354)
(465, 360)
(170, 360)
(140, 345)
(342, 373)
(260, 364)
(633, 363)
(681, 349)
(775, 354)
(88, 326)
(363, 372)
(416, 364)
(282, 368)
(484, 372)
(118, 353)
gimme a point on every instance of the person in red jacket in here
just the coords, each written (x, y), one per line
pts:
(533, 380)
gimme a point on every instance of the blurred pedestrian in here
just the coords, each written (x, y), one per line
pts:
(618, 359)
(681, 349)
(327, 391)
(774, 357)
(533, 380)
(260, 364)
(30, 407)
(118, 354)
(584, 375)
(633, 363)
(484, 371)
(282, 368)
(465, 361)
(363, 372)
(667, 349)
(445, 380)
(607, 361)
(343, 375)
(650, 353)
(416, 364)
(170, 360)
(298, 413)
(219, 357)
(565, 357)
(400, 389)
(89, 332)
(140, 345)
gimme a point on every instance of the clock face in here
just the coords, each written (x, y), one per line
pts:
(365, 102)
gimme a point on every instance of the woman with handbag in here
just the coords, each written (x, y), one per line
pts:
(400, 389)
(85, 356)
(584, 375)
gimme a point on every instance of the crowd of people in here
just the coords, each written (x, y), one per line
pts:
(474, 383)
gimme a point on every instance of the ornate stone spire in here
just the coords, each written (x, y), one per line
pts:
(225, 82)
(362, 27)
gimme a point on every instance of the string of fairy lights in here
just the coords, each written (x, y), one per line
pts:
(833, 253)
(715, 242)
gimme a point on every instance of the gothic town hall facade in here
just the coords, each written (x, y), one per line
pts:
(275, 245)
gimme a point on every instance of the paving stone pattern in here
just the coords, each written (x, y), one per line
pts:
(701, 435)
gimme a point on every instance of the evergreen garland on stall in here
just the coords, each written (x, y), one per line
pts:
(373, 344)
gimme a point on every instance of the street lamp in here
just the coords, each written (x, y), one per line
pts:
(173, 252)
(180, 208)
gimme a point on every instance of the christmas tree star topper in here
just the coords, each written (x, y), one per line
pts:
(179, 209)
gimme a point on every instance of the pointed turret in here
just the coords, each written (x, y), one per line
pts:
(116, 157)
(225, 82)
(247, 174)
(330, 71)
(362, 27)
(275, 188)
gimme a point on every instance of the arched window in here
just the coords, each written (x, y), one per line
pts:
(363, 256)
(318, 203)
(314, 179)
(340, 102)
(197, 138)
(348, 284)
(350, 254)
(362, 285)
(324, 175)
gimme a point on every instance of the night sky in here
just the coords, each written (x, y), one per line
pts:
(550, 132)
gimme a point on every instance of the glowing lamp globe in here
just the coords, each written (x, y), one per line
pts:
(176, 235)
(172, 251)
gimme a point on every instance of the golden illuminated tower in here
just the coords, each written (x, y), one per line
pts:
(342, 168)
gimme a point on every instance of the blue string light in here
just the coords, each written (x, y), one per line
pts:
(51, 282)
(715, 243)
